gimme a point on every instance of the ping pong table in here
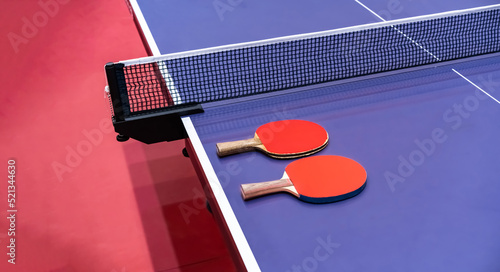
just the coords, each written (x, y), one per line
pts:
(427, 137)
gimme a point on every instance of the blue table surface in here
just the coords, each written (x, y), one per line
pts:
(179, 25)
(427, 138)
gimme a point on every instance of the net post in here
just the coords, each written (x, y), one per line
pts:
(116, 100)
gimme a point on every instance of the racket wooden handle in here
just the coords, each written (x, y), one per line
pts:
(252, 190)
(235, 147)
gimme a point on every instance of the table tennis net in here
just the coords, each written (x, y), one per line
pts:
(223, 73)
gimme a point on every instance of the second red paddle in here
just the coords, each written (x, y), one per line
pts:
(318, 179)
(281, 139)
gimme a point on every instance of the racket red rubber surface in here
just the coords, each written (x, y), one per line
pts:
(291, 136)
(326, 178)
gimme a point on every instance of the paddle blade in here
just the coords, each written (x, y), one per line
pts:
(324, 179)
(292, 137)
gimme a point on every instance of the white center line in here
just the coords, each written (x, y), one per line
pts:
(373, 12)
(473, 84)
(427, 51)
(399, 31)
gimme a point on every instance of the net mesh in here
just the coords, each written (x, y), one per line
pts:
(288, 64)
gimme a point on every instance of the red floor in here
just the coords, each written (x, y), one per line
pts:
(84, 201)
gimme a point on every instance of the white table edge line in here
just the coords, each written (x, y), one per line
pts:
(227, 212)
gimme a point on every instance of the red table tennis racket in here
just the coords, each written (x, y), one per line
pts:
(285, 139)
(317, 179)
